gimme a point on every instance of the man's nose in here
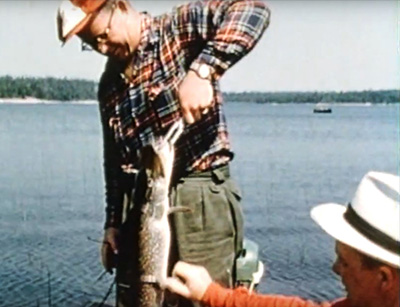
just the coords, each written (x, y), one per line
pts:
(102, 48)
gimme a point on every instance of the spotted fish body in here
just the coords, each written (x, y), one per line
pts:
(154, 234)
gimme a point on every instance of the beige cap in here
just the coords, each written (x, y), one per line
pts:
(73, 15)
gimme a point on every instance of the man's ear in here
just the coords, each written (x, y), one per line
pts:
(388, 278)
(122, 5)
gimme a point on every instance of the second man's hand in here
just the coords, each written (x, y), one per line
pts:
(195, 97)
(188, 280)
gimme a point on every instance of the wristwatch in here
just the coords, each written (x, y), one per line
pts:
(202, 70)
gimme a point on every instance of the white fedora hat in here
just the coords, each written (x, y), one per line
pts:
(73, 15)
(371, 222)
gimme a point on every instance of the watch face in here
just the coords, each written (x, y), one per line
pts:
(204, 71)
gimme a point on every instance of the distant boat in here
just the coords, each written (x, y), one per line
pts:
(322, 108)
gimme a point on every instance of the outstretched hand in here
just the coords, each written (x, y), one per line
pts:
(188, 280)
(109, 249)
(195, 97)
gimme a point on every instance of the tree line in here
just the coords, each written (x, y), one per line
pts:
(47, 88)
(50, 88)
(382, 96)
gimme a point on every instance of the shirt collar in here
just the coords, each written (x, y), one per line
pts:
(148, 35)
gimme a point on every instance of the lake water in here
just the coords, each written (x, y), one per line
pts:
(287, 160)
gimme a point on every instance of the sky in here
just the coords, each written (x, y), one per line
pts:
(309, 46)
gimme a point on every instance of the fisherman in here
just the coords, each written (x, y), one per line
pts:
(159, 70)
(367, 237)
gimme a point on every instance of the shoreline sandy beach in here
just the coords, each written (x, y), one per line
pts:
(34, 100)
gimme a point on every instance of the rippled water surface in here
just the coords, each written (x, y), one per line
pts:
(287, 160)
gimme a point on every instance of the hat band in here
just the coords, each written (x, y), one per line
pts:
(370, 232)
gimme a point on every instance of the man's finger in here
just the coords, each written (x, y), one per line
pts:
(176, 286)
(105, 257)
(197, 114)
(113, 246)
(111, 241)
(108, 258)
(181, 270)
(188, 117)
(178, 268)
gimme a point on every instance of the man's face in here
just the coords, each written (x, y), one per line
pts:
(106, 34)
(361, 283)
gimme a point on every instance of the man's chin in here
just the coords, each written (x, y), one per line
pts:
(120, 55)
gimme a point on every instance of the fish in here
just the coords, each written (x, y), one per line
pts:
(153, 232)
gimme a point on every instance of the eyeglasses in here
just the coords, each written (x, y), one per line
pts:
(100, 38)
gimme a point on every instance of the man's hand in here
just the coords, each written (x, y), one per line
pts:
(195, 96)
(109, 249)
(190, 281)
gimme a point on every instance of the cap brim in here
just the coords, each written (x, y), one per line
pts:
(330, 218)
(78, 28)
(91, 8)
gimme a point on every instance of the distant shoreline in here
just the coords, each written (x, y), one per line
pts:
(34, 100)
(52, 90)
(25, 100)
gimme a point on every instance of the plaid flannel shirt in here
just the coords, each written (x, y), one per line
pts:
(139, 100)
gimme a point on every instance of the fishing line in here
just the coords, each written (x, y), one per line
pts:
(108, 293)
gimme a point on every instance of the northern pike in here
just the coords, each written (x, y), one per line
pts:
(153, 230)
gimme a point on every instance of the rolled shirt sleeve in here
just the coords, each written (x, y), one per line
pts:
(239, 26)
(217, 296)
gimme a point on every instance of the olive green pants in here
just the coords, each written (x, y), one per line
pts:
(209, 234)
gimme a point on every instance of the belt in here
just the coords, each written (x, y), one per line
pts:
(219, 174)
